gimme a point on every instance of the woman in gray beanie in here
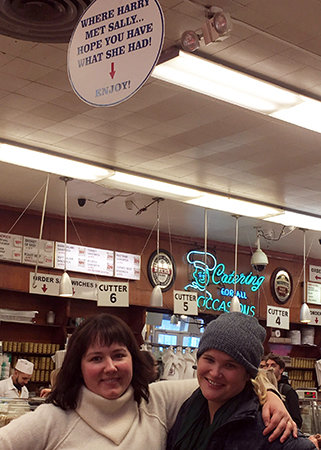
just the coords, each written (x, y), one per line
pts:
(224, 413)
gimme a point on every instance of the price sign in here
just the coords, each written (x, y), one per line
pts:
(278, 317)
(314, 293)
(113, 294)
(185, 303)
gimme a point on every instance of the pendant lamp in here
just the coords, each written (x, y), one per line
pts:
(305, 315)
(235, 303)
(65, 286)
(156, 299)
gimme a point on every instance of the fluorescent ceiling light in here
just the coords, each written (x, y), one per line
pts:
(234, 206)
(212, 79)
(148, 185)
(289, 218)
(53, 164)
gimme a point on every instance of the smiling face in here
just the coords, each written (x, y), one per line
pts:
(220, 378)
(107, 370)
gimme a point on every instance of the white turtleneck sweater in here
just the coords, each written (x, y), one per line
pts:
(101, 424)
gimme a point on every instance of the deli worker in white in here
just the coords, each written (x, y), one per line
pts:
(15, 386)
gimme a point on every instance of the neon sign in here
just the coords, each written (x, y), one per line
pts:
(207, 271)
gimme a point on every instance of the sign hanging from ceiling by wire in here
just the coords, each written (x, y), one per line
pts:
(113, 49)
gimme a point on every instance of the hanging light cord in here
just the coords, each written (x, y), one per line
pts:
(66, 206)
(31, 201)
(157, 227)
(235, 252)
(41, 228)
(304, 259)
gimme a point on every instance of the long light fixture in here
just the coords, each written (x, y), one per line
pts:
(154, 186)
(221, 82)
(235, 303)
(298, 220)
(156, 299)
(305, 315)
(38, 160)
(234, 206)
(65, 286)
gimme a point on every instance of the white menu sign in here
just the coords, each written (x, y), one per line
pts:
(10, 247)
(84, 259)
(30, 252)
(314, 293)
(127, 266)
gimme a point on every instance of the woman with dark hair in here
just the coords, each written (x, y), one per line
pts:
(102, 399)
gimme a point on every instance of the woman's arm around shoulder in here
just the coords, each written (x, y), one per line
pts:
(166, 398)
(37, 430)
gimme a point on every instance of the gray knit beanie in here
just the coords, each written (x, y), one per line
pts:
(239, 336)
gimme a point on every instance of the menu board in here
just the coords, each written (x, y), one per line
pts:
(11, 247)
(314, 293)
(30, 252)
(127, 266)
(84, 259)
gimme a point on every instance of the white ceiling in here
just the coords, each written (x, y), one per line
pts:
(177, 135)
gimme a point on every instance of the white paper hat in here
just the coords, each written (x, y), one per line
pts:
(25, 366)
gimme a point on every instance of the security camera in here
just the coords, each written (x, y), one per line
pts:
(259, 259)
(81, 202)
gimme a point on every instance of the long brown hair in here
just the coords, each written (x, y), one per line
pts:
(104, 329)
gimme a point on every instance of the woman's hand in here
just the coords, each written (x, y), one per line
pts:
(45, 392)
(277, 419)
(316, 439)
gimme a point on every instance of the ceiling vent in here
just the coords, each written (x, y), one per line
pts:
(40, 20)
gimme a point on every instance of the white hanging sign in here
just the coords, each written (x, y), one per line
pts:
(315, 317)
(31, 250)
(114, 48)
(314, 293)
(10, 247)
(113, 294)
(127, 265)
(185, 303)
(277, 317)
(84, 259)
(315, 273)
(105, 293)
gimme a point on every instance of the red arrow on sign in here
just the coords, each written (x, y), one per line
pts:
(112, 70)
(317, 278)
(44, 287)
(316, 320)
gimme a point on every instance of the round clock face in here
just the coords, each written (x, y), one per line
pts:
(161, 269)
(281, 285)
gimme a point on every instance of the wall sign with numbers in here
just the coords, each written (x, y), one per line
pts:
(185, 303)
(277, 317)
(113, 294)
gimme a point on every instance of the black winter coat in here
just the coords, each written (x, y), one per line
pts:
(242, 431)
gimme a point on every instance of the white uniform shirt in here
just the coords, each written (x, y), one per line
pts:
(8, 390)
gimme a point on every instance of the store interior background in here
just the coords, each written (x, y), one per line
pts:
(172, 134)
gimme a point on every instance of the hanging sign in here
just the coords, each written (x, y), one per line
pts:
(314, 293)
(10, 247)
(315, 273)
(44, 253)
(114, 48)
(105, 293)
(315, 317)
(127, 266)
(85, 259)
(115, 294)
(278, 317)
(185, 303)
